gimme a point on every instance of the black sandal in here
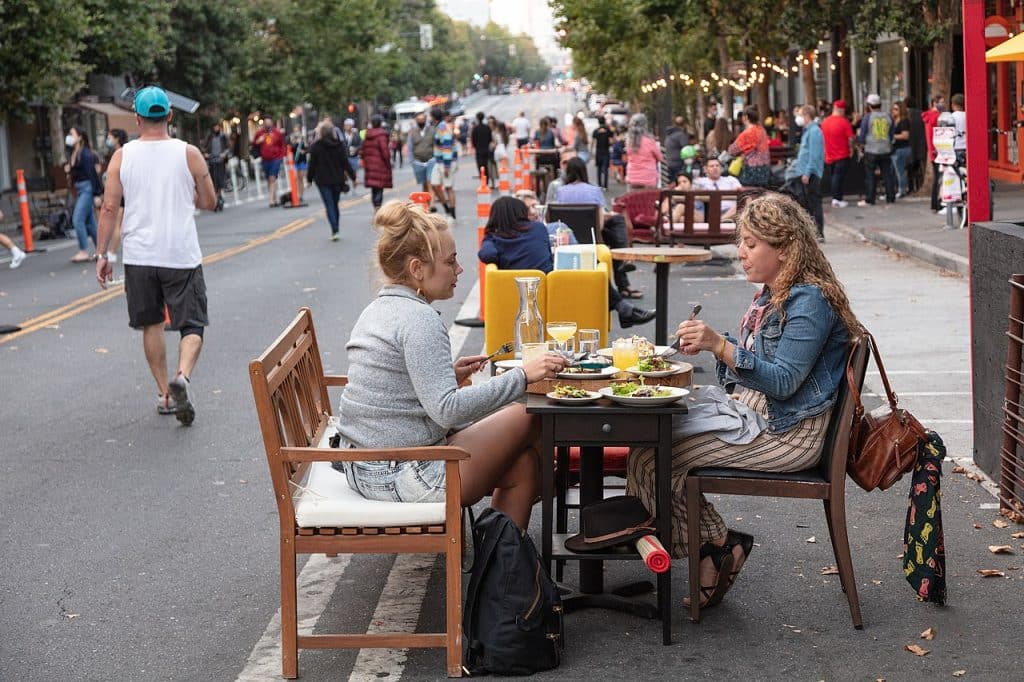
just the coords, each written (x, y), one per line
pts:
(722, 558)
(745, 543)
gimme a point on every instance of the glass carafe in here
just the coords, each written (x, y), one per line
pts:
(529, 326)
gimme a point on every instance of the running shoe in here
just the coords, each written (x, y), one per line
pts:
(17, 256)
(165, 404)
(182, 396)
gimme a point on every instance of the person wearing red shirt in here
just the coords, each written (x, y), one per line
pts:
(931, 119)
(838, 134)
(270, 141)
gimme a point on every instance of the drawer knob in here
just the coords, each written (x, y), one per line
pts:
(607, 428)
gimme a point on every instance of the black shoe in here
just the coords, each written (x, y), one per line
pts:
(628, 267)
(637, 316)
(451, 212)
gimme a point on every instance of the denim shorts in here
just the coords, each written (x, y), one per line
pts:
(421, 170)
(419, 481)
(272, 168)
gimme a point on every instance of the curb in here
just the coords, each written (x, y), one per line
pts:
(911, 248)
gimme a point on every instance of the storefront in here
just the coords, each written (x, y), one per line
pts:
(1006, 94)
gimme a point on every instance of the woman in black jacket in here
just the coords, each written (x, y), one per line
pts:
(328, 168)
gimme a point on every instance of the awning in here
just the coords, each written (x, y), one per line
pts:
(1010, 51)
(117, 117)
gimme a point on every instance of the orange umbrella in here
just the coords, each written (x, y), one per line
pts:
(1011, 50)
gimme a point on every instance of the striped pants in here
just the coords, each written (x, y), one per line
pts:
(796, 449)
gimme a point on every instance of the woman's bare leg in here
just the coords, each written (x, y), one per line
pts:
(503, 462)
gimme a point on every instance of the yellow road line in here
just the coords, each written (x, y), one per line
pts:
(84, 303)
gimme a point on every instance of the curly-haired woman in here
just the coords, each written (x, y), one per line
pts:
(787, 362)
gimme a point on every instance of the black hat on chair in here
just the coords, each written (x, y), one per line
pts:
(610, 522)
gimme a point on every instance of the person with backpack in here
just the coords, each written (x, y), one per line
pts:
(875, 136)
(404, 389)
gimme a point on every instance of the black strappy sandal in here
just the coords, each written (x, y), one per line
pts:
(746, 543)
(722, 558)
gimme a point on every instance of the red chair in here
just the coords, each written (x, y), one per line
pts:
(640, 208)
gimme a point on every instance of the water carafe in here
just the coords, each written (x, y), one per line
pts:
(528, 324)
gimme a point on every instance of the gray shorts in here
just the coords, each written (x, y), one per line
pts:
(420, 481)
(148, 289)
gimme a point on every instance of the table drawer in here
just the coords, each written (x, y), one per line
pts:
(607, 428)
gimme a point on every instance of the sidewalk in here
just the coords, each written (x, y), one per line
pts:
(910, 228)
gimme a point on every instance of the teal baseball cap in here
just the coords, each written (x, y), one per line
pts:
(152, 102)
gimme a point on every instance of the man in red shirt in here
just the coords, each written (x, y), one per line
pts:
(930, 119)
(838, 134)
(270, 141)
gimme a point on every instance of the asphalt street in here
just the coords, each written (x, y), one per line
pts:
(136, 549)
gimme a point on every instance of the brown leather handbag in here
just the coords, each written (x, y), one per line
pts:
(883, 442)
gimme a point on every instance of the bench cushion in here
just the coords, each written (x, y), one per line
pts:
(725, 228)
(323, 499)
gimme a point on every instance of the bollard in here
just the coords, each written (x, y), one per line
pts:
(503, 186)
(26, 216)
(233, 166)
(421, 199)
(257, 172)
(483, 213)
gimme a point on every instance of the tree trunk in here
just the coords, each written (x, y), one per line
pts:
(56, 156)
(726, 90)
(942, 66)
(845, 79)
(807, 78)
(761, 98)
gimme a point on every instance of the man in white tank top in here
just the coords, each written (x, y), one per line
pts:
(162, 181)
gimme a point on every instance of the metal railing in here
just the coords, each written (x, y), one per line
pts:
(1011, 481)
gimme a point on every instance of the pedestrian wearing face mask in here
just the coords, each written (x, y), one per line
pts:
(81, 169)
(116, 139)
(930, 119)
(810, 165)
(421, 151)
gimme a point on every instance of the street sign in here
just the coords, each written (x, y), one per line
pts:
(511, 49)
(426, 37)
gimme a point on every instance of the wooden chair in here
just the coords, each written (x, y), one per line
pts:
(825, 482)
(640, 209)
(320, 514)
(710, 231)
(580, 218)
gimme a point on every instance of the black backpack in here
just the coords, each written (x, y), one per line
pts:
(512, 624)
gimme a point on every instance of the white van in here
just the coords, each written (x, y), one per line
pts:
(405, 113)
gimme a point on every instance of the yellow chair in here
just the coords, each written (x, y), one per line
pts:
(577, 295)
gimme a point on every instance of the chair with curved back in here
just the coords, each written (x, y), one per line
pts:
(640, 208)
(825, 482)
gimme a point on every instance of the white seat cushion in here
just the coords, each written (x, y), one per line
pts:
(704, 227)
(323, 499)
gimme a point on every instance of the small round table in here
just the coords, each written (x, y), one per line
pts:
(662, 257)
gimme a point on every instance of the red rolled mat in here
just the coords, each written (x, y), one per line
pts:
(653, 553)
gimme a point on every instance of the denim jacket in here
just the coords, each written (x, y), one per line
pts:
(798, 366)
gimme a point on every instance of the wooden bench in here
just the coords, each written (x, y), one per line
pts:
(319, 514)
(710, 231)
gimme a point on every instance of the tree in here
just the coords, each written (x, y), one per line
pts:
(41, 42)
(126, 36)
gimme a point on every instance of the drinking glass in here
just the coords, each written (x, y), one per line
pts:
(562, 332)
(625, 354)
(590, 341)
(534, 350)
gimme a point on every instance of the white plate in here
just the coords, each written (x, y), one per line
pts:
(604, 373)
(676, 368)
(607, 352)
(591, 397)
(677, 393)
(508, 364)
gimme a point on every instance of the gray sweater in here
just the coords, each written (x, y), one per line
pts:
(402, 390)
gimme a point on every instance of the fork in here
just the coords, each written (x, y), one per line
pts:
(502, 350)
(673, 347)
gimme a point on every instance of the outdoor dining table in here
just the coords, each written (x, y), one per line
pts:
(662, 257)
(592, 427)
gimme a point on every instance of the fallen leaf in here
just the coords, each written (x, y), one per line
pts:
(959, 673)
(1018, 535)
(916, 650)
(829, 570)
(977, 525)
(71, 616)
(928, 634)
(242, 481)
(959, 470)
(1000, 549)
(990, 573)
(1014, 516)
(876, 582)
(999, 523)
(974, 476)
(812, 539)
(102, 350)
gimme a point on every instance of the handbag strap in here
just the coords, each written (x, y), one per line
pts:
(851, 382)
